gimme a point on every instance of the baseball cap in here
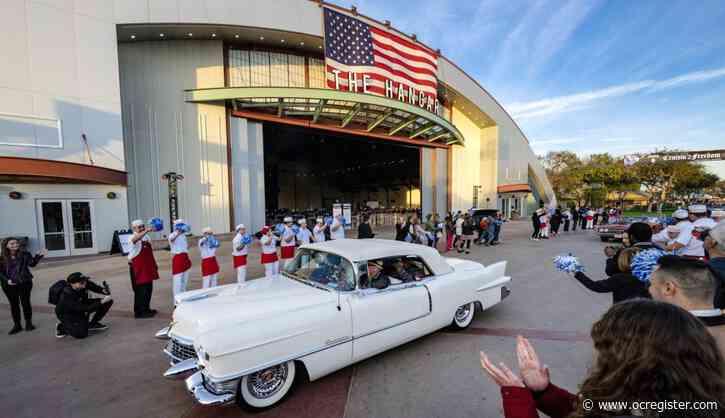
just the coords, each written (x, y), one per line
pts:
(697, 209)
(680, 214)
(76, 277)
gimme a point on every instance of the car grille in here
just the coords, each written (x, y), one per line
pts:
(180, 351)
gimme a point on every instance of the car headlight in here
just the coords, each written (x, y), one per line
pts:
(218, 388)
(604, 230)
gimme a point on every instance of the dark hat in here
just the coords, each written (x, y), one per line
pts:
(639, 232)
(76, 277)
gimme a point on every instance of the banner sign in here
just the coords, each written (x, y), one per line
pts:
(365, 57)
(716, 155)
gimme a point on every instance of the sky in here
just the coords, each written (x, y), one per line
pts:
(587, 76)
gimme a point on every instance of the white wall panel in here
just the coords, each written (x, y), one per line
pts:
(97, 59)
(131, 11)
(163, 11)
(192, 11)
(163, 133)
(247, 172)
(15, 69)
(99, 9)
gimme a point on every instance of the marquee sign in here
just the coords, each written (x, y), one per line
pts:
(364, 57)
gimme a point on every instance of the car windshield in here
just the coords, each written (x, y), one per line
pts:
(321, 269)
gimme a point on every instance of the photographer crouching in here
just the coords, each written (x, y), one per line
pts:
(74, 308)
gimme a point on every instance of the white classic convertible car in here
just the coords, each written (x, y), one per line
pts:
(336, 303)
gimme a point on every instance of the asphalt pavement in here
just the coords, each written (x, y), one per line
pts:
(118, 373)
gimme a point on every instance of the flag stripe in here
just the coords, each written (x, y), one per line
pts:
(381, 46)
(394, 62)
(411, 47)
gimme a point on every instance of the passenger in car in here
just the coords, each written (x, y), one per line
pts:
(374, 278)
(403, 273)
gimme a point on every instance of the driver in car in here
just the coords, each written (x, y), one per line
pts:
(375, 278)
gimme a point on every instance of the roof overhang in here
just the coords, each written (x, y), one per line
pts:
(32, 170)
(514, 188)
(364, 114)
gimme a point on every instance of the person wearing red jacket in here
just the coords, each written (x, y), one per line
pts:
(143, 269)
(645, 351)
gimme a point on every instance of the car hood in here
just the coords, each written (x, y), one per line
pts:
(205, 310)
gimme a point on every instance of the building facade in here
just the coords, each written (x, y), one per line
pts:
(100, 99)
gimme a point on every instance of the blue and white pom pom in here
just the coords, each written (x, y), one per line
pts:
(212, 242)
(279, 229)
(247, 239)
(644, 262)
(567, 264)
(157, 224)
(295, 229)
(328, 220)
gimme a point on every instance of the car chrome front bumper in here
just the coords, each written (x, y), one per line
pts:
(182, 367)
(163, 333)
(505, 291)
(195, 386)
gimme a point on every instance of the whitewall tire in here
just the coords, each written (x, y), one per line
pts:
(267, 387)
(463, 316)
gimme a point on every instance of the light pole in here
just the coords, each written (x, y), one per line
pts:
(173, 178)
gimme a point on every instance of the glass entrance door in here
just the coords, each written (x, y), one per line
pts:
(67, 227)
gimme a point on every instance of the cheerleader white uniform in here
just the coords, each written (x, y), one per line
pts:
(590, 220)
(209, 265)
(180, 262)
(319, 233)
(269, 256)
(239, 254)
(288, 244)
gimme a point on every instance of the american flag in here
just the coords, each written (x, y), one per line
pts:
(352, 45)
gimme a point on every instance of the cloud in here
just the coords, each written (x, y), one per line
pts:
(569, 103)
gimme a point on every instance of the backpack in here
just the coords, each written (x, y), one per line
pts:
(55, 291)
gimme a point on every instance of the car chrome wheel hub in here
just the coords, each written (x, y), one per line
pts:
(267, 382)
(462, 313)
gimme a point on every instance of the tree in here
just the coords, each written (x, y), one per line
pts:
(565, 172)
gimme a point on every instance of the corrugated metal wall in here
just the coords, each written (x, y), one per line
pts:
(162, 133)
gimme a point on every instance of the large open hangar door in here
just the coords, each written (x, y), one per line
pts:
(310, 169)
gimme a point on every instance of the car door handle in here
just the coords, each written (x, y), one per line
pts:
(337, 340)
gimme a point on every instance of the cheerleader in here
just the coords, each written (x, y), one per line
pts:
(318, 231)
(590, 219)
(288, 241)
(304, 236)
(269, 253)
(240, 249)
(209, 266)
(180, 261)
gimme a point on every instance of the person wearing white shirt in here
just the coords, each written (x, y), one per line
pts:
(180, 261)
(318, 231)
(209, 265)
(685, 234)
(304, 236)
(288, 243)
(269, 253)
(337, 230)
(590, 219)
(700, 222)
(239, 252)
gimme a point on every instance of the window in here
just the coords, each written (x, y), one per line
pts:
(239, 68)
(321, 268)
(259, 68)
(296, 70)
(390, 271)
(317, 73)
(279, 73)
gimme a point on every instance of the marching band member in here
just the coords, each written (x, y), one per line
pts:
(209, 266)
(288, 241)
(180, 261)
(717, 215)
(337, 230)
(143, 269)
(700, 223)
(239, 252)
(319, 230)
(304, 236)
(269, 253)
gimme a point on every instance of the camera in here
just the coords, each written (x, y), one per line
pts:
(701, 233)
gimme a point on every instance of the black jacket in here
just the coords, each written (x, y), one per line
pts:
(74, 305)
(623, 286)
(364, 231)
(22, 275)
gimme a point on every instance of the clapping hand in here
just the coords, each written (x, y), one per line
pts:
(502, 376)
(533, 374)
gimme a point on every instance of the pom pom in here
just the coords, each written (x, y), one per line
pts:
(182, 228)
(328, 220)
(247, 239)
(567, 264)
(295, 229)
(644, 262)
(212, 242)
(157, 224)
(279, 229)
